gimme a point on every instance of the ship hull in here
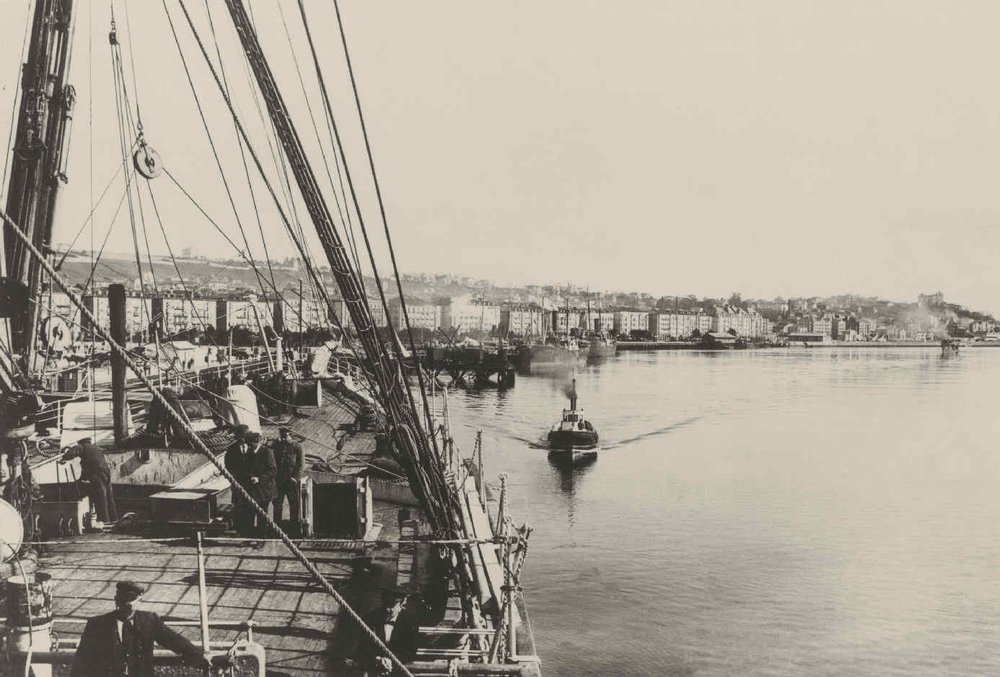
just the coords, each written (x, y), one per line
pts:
(554, 355)
(572, 439)
(600, 349)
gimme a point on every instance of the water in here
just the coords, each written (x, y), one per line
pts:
(824, 511)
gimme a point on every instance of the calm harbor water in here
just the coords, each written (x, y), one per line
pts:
(778, 512)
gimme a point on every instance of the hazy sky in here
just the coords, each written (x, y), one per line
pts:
(769, 147)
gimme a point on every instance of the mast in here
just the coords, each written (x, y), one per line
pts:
(38, 168)
(414, 446)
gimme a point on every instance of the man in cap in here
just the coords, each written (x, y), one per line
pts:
(289, 457)
(260, 474)
(121, 642)
(95, 472)
(237, 463)
(396, 629)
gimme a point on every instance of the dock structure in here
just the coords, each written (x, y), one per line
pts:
(469, 366)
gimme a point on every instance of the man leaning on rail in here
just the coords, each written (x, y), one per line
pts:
(95, 472)
(120, 643)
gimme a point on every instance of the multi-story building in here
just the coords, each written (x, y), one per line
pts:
(565, 320)
(423, 314)
(626, 321)
(598, 321)
(746, 323)
(866, 328)
(470, 315)
(822, 324)
(138, 313)
(249, 313)
(526, 320)
(180, 314)
(678, 324)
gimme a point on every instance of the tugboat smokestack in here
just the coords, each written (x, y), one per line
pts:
(572, 396)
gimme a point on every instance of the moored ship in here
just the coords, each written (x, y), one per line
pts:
(386, 508)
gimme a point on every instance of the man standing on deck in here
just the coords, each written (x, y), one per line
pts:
(237, 460)
(290, 459)
(95, 472)
(121, 643)
(260, 473)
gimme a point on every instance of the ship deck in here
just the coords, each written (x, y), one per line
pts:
(296, 621)
(299, 624)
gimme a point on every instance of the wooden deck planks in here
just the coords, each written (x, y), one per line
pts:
(295, 619)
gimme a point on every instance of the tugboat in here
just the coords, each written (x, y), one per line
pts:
(573, 436)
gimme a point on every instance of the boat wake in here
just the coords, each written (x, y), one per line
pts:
(653, 433)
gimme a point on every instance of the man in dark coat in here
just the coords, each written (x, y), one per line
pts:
(290, 459)
(396, 629)
(121, 642)
(237, 463)
(95, 472)
(260, 472)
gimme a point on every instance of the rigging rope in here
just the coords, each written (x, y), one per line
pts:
(253, 154)
(199, 445)
(239, 144)
(364, 230)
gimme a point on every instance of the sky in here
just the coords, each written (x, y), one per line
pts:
(677, 147)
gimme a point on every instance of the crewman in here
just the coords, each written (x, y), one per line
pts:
(95, 472)
(260, 474)
(397, 631)
(290, 459)
(121, 642)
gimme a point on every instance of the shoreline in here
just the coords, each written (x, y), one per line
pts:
(684, 345)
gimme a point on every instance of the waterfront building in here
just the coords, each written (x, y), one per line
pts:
(678, 324)
(808, 337)
(866, 328)
(138, 313)
(423, 314)
(525, 320)
(820, 325)
(626, 321)
(565, 320)
(744, 322)
(471, 315)
(249, 313)
(598, 320)
(180, 314)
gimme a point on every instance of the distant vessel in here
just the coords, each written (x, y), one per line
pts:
(565, 351)
(573, 435)
(602, 345)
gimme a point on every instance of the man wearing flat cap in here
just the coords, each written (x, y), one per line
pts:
(120, 643)
(237, 462)
(252, 464)
(289, 457)
(261, 471)
(95, 472)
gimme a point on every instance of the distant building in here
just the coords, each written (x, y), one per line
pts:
(746, 323)
(423, 314)
(808, 337)
(470, 315)
(820, 325)
(524, 320)
(626, 321)
(566, 319)
(678, 324)
(866, 328)
(927, 300)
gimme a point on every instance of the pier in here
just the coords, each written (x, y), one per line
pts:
(469, 366)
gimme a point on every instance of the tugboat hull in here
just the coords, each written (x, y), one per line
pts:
(572, 439)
